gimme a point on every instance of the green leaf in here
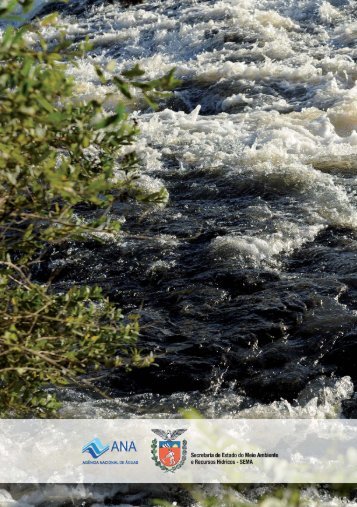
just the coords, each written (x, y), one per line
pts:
(134, 72)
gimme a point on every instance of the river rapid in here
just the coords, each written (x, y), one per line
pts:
(246, 279)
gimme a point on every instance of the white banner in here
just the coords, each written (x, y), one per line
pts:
(178, 450)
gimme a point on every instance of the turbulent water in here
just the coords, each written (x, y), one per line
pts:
(247, 277)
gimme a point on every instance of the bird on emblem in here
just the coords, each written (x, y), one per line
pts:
(169, 435)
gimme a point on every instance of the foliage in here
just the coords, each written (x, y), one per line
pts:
(54, 338)
(7, 6)
(56, 153)
(276, 496)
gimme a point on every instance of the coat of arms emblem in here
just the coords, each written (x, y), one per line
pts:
(170, 453)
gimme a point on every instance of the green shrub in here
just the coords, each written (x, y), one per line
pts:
(57, 152)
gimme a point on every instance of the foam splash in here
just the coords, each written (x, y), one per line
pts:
(271, 150)
(255, 251)
(320, 399)
(312, 496)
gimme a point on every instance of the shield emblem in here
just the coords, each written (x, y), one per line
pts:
(169, 452)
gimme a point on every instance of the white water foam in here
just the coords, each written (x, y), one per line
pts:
(321, 399)
(246, 50)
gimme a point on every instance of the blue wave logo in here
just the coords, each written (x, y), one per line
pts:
(95, 448)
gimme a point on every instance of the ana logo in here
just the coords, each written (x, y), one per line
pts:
(169, 454)
(115, 449)
(95, 448)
